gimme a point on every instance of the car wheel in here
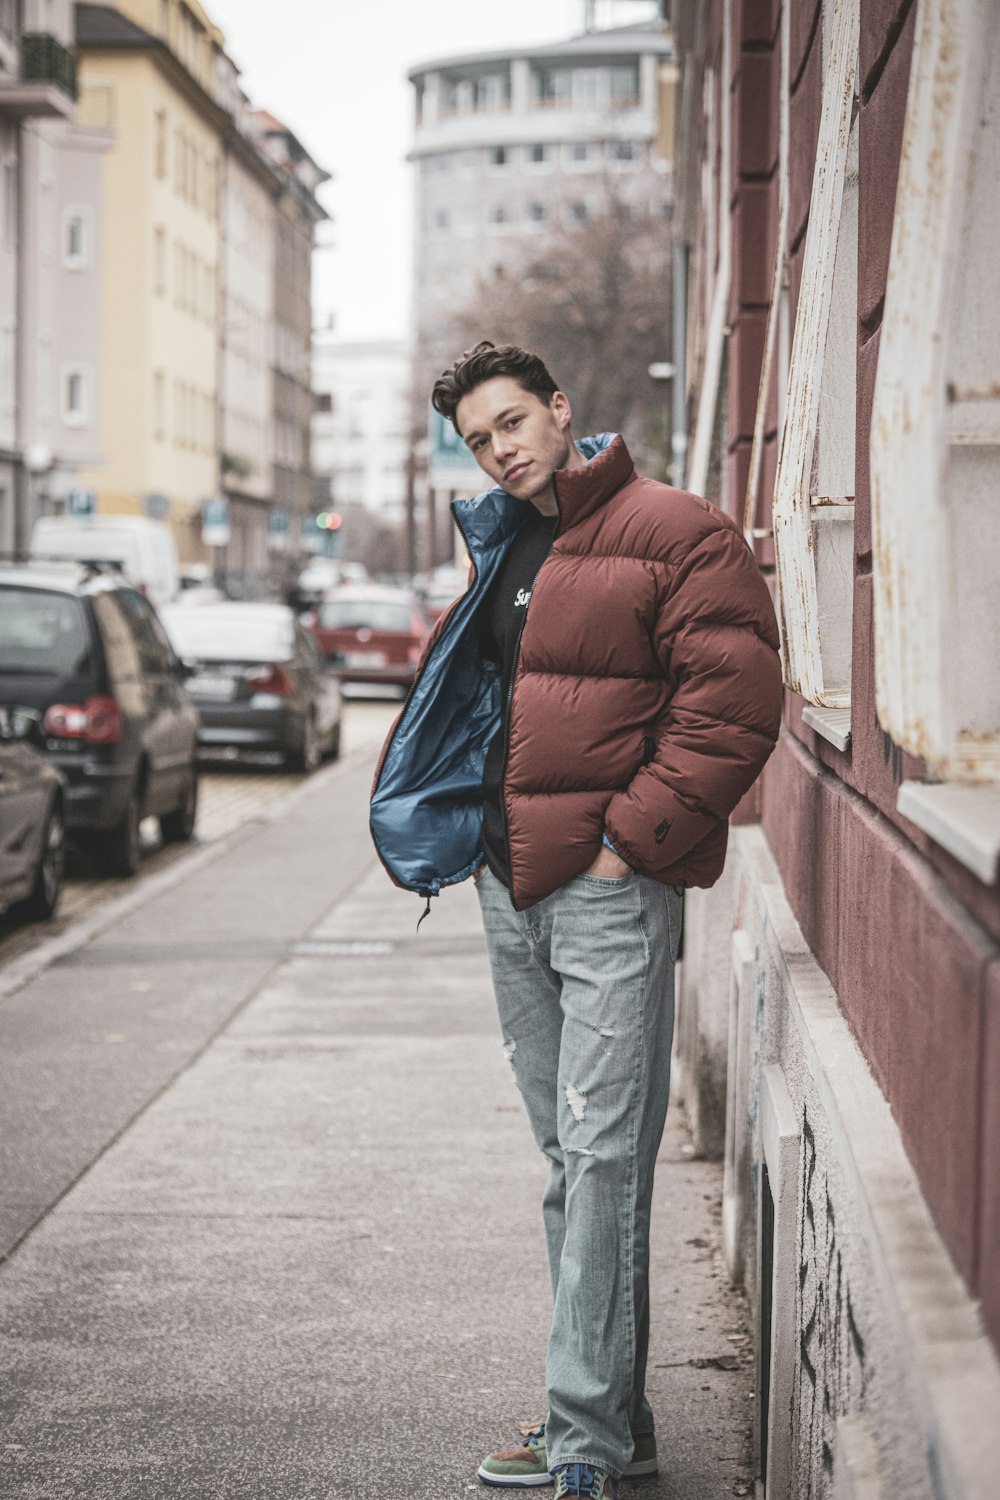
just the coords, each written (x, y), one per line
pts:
(177, 827)
(44, 898)
(308, 756)
(122, 851)
(333, 745)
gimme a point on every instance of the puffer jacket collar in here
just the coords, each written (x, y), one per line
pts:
(492, 518)
(579, 492)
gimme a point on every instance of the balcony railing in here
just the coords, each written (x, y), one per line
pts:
(45, 60)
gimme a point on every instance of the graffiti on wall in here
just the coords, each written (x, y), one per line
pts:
(833, 1363)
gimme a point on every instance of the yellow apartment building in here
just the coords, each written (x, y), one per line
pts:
(146, 71)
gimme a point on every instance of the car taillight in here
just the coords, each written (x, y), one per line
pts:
(270, 680)
(96, 722)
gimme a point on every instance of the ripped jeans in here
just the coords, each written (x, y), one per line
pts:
(584, 983)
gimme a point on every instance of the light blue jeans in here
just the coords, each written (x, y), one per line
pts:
(584, 984)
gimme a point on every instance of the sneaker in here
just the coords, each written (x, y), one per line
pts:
(584, 1479)
(518, 1468)
(526, 1466)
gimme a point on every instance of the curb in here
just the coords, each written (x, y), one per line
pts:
(21, 971)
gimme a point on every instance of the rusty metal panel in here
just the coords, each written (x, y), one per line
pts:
(935, 445)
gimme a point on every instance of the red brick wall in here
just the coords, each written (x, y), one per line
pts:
(907, 937)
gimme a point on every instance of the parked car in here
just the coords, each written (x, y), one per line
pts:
(86, 651)
(258, 680)
(143, 548)
(373, 635)
(32, 826)
(442, 589)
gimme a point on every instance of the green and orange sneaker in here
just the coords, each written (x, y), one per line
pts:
(527, 1465)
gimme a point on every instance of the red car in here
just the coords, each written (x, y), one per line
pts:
(374, 635)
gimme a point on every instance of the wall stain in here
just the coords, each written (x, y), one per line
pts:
(833, 1360)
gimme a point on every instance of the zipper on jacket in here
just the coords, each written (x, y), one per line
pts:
(510, 692)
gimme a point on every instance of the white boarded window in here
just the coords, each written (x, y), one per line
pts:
(814, 489)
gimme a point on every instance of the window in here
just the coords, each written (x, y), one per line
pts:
(578, 212)
(588, 88)
(499, 157)
(814, 489)
(10, 213)
(441, 220)
(75, 248)
(74, 396)
(536, 214)
(935, 446)
(492, 92)
(159, 405)
(580, 155)
(538, 154)
(160, 144)
(625, 153)
(496, 215)
(159, 261)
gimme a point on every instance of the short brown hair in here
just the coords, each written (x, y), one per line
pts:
(485, 362)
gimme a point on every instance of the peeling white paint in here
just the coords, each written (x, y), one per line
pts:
(577, 1151)
(509, 1048)
(605, 1031)
(576, 1101)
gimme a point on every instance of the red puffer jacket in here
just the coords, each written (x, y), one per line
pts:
(648, 689)
(646, 697)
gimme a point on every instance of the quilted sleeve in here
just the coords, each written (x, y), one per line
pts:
(717, 640)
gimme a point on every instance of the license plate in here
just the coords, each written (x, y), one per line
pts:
(207, 686)
(365, 659)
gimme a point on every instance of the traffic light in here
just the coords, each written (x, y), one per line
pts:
(329, 520)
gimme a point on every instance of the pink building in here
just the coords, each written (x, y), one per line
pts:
(838, 205)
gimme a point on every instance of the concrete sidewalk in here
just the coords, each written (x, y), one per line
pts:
(313, 1266)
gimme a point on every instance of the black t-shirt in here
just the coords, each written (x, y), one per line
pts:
(501, 617)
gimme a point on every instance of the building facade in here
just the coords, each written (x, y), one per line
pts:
(839, 1036)
(360, 431)
(50, 294)
(297, 212)
(148, 77)
(510, 145)
(208, 215)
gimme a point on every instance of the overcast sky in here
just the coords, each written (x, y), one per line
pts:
(336, 75)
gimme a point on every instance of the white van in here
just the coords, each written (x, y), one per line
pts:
(144, 548)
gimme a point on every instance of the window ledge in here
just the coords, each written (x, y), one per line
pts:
(964, 820)
(833, 724)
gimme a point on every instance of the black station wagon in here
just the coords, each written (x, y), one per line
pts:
(84, 653)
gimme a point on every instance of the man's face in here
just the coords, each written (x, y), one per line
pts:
(517, 438)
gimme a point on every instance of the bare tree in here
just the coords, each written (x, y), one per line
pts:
(594, 301)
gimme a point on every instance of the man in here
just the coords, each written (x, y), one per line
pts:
(584, 720)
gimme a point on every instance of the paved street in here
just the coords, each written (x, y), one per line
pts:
(269, 1200)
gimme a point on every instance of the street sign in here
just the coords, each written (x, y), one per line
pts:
(81, 503)
(215, 530)
(279, 525)
(447, 451)
(157, 507)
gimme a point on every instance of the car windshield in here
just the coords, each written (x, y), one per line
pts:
(210, 635)
(41, 632)
(365, 614)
